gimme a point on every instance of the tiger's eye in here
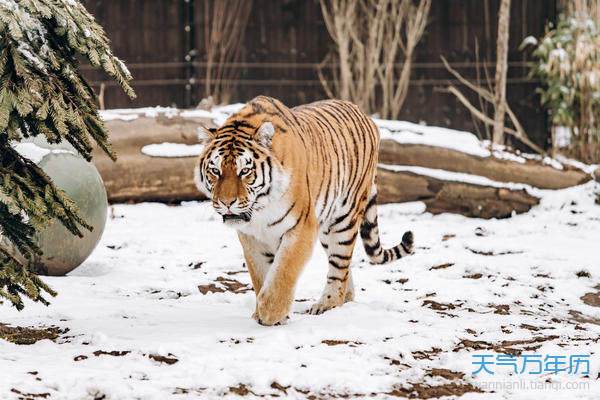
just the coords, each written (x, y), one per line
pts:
(244, 171)
(215, 171)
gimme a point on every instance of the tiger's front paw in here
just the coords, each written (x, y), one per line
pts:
(272, 308)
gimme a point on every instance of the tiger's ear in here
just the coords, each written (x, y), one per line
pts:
(205, 134)
(264, 134)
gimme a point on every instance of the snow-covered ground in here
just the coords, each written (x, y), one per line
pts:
(136, 324)
(161, 310)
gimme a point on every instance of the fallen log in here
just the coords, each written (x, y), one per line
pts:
(530, 172)
(137, 177)
(442, 196)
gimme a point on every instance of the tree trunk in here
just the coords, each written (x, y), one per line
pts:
(501, 69)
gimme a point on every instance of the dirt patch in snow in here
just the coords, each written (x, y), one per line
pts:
(224, 285)
(114, 353)
(238, 341)
(241, 390)
(183, 390)
(28, 335)
(434, 305)
(441, 266)
(210, 288)
(583, 319)
(535, 328)
(23, 395)
(493, 253)
(426, 354)
(422, 391)
(446, 373)
(169, 359)
(335, 342)
(512, 347)
(277, 386)
(401, 281)
(592, 298)
(415, 391)
(501, 309)
(583, 274)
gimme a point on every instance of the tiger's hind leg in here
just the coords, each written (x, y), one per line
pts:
(339, 287)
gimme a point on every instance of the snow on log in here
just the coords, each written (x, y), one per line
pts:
(157, 148)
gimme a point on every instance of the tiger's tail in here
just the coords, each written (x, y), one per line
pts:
(369, 232)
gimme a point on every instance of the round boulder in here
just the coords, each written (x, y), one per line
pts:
(79, 179)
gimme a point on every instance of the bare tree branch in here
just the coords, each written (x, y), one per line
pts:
(485, 94)
(224, 29)
(501, 70)
(372, 38)
(519, 134)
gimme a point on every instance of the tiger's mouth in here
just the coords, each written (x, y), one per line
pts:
(236, 218)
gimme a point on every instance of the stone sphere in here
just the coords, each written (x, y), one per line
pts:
(80, 180)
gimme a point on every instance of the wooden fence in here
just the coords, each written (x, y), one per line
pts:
(162, 43)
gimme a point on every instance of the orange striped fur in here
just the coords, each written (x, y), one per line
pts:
(283, 178)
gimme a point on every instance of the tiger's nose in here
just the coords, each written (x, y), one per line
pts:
(228, 203)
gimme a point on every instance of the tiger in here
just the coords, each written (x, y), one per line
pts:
(283, 177)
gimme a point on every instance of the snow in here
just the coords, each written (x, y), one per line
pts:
(217, 114)
(460, 177)
(562, 136)
(198, 114)
(138, 292)
(411, 133)
(36, 153)
(223, 112)
(27, 52)
(587, 168)
(529, 41)
(131, 114)
(167, 149)
(559, 53)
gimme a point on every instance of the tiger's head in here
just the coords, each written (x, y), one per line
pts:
(237, 170)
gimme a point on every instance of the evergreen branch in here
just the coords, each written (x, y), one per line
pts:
(42, 92)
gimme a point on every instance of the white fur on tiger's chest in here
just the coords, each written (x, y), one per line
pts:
(272, 207)
(261, 228)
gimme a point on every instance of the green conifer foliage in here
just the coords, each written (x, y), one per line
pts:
(42, 92)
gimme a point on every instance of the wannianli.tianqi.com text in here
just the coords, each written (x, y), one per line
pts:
(524, 384)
